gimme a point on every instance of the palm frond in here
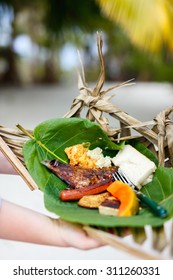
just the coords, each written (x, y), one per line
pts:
(147, 23)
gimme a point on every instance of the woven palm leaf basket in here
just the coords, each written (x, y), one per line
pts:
(155, 135)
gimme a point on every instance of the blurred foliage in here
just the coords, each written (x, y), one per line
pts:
(70, 15)
(147, 23)
(137, 37)
(135, 62)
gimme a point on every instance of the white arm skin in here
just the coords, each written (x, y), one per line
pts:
(22, 224)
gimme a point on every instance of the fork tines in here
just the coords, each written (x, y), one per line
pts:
(119, 175)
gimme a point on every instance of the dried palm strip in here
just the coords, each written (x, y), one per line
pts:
(139, 235)
(161, 137)
(13, 159)
(119, 243)
(12, 131)
(133, 123)
(98, 103)
(17, 152)
(141, 124)
(159, 238)
(14, 142)
(125, 138)
(164, 134)
(169, 136)
(125, 131)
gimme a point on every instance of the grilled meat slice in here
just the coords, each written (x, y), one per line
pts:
(77, 177)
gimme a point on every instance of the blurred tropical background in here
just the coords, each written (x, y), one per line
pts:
(39, 40)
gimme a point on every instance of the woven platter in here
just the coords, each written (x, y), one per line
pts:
(156, 135)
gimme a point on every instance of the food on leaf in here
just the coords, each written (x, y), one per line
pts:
(81, 155)
(93, 201)
(88, 184)
(77, 176)
(110, 206)
(137, 167)
(124, 193)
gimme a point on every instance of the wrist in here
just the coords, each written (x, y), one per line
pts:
(57, 233)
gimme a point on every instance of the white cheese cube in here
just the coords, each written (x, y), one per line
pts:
(137, 167)
(99, 158)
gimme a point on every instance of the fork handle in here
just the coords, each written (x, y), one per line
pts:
(154, 206)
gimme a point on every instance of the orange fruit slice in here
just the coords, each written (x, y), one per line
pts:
(124, 193)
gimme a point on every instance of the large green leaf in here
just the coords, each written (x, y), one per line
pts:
(50, 140)
(161, 190)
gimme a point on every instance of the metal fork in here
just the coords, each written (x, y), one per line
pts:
(152, 205)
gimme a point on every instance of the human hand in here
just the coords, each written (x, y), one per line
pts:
(73, 235)
(22, 224)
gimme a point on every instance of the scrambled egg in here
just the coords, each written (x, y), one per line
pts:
(77, 155)
(81, 155)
